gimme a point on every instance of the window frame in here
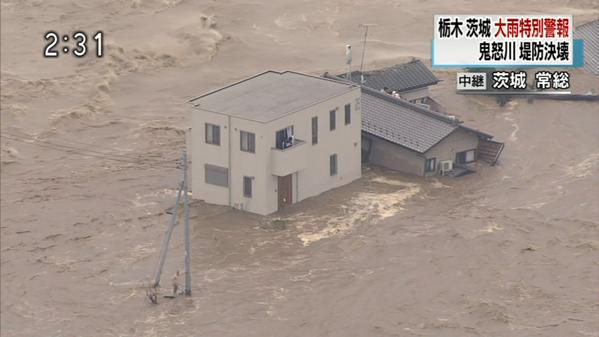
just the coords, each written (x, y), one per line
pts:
(247, 186)
(314, 130)
(251, 141)
(427, 166)
(348, 114)
(212, 127)
(333, 165)
(216, 169)
(333, 119)
(465, 154)
(277, 144)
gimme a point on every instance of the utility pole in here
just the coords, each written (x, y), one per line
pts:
(187, 238)
(183, 188)
(167, 238)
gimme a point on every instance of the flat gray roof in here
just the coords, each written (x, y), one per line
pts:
(271, 95)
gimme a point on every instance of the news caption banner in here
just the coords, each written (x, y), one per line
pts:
(495, 50)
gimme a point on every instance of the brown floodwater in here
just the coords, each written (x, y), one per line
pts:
(511, 250)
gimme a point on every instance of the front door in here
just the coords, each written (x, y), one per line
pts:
(284, 189)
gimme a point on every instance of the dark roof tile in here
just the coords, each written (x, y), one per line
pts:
(589, 32)
(400, 77)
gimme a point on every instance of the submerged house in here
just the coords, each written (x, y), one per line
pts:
(410, 81)
(410, 138)
(274, 139)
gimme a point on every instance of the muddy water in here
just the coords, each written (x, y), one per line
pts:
(509, 251)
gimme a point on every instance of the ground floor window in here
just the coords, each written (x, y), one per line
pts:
(333, 164)
(216, 175)
(247, 187)
(465, 157)
(430, 165)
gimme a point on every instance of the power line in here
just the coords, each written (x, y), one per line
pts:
(86, 152)
(77, 142)
(76, 151)
(31, 139)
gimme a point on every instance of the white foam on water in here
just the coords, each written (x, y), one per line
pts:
(583, 168)
(514, 135)
(492, 228)
(370, 206)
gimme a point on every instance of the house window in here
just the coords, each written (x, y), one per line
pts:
(284, 138)
(248, 141)
(465, 157)
(212, 134)
(332, 119)
(333, 164)
(247, 187)
(216, 175)
(430, 165)
(314, 130)
(347, 114)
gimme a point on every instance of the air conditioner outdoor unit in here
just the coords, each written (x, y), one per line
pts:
(446, 166)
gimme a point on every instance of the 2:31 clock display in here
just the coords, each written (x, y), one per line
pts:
(80, 40)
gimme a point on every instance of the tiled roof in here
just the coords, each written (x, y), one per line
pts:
(400, 77)
(589, 32)
(402, 122)
(270, 95)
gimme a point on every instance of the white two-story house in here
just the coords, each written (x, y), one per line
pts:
(274, 139)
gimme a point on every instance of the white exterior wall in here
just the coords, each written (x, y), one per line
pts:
(255, 165)
(343, 141)
(203, 153)
(311, 181)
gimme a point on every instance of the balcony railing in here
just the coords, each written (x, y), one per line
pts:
(289, 160)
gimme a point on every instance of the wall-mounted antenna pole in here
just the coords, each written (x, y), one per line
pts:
(348, 60)
(365, 25)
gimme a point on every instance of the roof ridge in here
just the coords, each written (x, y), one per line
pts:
(339, 81)
(414, 106)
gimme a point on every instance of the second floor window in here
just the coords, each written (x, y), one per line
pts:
(284, 138)
(212, 134)
(332, 119)
(248, 142)
(347, 114)
(314, 130)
